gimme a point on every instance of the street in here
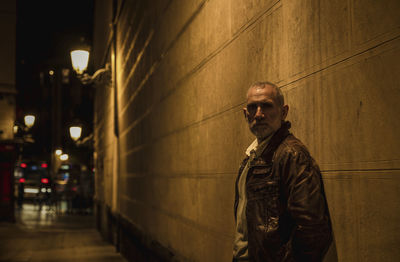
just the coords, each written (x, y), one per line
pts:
(44, 235)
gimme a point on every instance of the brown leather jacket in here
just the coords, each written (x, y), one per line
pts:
(287, 214)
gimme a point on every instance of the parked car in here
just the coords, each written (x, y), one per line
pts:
(32, 181)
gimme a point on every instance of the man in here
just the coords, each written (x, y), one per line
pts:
(280, 208)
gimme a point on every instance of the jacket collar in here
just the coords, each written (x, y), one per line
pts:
(276, 140)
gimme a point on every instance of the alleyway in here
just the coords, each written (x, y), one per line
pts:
(44, 235)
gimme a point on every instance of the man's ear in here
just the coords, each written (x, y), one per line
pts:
(285, 110)
(245, 113)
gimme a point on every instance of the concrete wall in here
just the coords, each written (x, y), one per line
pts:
(7, 68)
(180, 73)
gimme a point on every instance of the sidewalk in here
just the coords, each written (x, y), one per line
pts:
(43, 235)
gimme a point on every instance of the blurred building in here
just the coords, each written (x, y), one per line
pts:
(7, 68)
(169, 132)
(8, 149)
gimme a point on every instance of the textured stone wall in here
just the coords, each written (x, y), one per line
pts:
(180, 73)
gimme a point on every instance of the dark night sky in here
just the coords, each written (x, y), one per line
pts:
(46, 28)
(46, 32)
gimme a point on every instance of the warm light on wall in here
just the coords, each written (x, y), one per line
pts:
(58, 152)
(79, 59)
(75, 132)
(29, 120)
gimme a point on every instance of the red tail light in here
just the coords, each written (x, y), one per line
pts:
(23, 165)
(45, 181)
(44, 165)
(22, 180)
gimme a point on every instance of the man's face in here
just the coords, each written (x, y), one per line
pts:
(263, 113)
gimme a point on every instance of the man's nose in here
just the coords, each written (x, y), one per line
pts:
(259, 112)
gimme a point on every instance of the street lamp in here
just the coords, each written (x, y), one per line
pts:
(64, 157)
(80, 60)
(22, 135)
(75, 132)
(29, 120)
(21, 130)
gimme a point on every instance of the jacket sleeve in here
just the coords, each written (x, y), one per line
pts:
(306, 206)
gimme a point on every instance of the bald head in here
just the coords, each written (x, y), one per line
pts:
(265, 110)
(277, 91)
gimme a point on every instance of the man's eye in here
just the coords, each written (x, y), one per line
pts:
(265, 106)
(252, 109)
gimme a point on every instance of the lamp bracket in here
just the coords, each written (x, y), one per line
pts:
(102, 74)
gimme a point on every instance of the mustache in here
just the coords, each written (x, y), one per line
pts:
(260, 123)
(259, 126)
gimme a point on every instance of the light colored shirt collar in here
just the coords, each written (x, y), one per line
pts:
(252, 146)
(258, 148)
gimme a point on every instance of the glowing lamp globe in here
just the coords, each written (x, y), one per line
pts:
(79, 59)
(29, 120)
(75, 132)
(64, 157)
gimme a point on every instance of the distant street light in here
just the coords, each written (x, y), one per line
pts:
(75, 132)
(29, 120)
(21, 131)
(58, 152)
(64, 157)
